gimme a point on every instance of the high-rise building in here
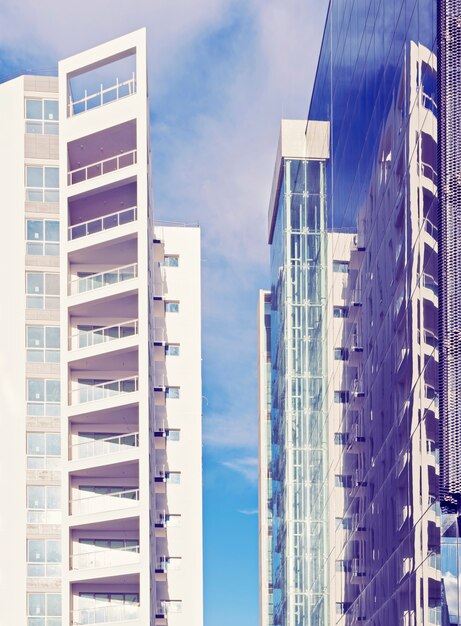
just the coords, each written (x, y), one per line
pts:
(102, 361)
(391, 551)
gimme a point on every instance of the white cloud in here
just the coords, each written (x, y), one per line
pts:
(245, 466)
(248, 511)
(230, 430)
(452, 592)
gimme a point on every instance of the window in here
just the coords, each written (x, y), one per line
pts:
(341, 354)
(110, 544)
(341, 397)
(344, 522)
(44, 609)
(126, 606)
(43, 504)
(172, 349)
(172, 392)
(43, 451)
(341, 266)
(42, 344)
(42, 237)
(340, 311)
(341, 439)
(172, 307)
(128, 492)
(44, 558)
(42, 290)
(43, 397)
(42, 183)
(171, 260)
(42, 116)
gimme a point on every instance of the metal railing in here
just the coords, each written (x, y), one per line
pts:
(102, 447)
(111, 164)
(168, 606)
(105, 558)
(102, 391)
(104, 614)
(97, 335)
(82, 284)
(101, 502)
(102, 96)
(105, 222)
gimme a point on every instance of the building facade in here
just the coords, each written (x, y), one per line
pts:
(391, 552)
(102, 391)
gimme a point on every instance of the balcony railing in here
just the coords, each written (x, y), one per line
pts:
(83, 284)
(105, 614)
(105, 222)
(103, 447)
(93, 170)
(102, 391)
(97, 335)
(164, 607)
(105, 558)
(102, 96)
(99, 503)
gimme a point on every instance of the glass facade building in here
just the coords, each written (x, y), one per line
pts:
(387, 84)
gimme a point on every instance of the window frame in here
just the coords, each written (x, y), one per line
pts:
(44, 348)
(41, 193)
(41, 122)
(49, 247)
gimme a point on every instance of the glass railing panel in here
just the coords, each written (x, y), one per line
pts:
(101, 391)
(105, 614)
(105, 222)
(102, 447)
(93, 170)
(103, 96)
(99, 503)
(90, 336)
(83, 284)
(106, 558)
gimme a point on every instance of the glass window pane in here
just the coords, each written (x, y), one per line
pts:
(36, 604)
(52, 356)
(51, 110)
(34, 176)
(51, 230)
(53, 603)
(35, 230)
(36, 551)
(35, 336)
(35, 390)
(36, 497)
(53, 391)
(35, 249)
(34, 283)
(35, 443)
(51, 128)
(53, 497)
(52, 284)
(34, 109)
(53, 444)
(52, 337)
(34, 128)
(53, 551)
(51, 177)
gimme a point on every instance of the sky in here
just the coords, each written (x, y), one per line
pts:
(222, 73)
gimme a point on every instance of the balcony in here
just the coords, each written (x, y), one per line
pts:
(113, 276)
(105, 558)
(103, 223)
(106, 614)
(355, 304)
(101, 97)
(165, 607)
(102, 447)
(358, 525)
(101, 503)
(93, 170)
(358, 575)
(358, 393)
(356, 442)
(357, 254)
(96, 335)
(92, 393)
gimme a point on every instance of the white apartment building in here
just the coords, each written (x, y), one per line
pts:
(101, 385)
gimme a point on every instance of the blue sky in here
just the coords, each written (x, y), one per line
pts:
(222, 73)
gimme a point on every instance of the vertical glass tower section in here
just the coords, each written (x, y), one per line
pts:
(298, 237)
